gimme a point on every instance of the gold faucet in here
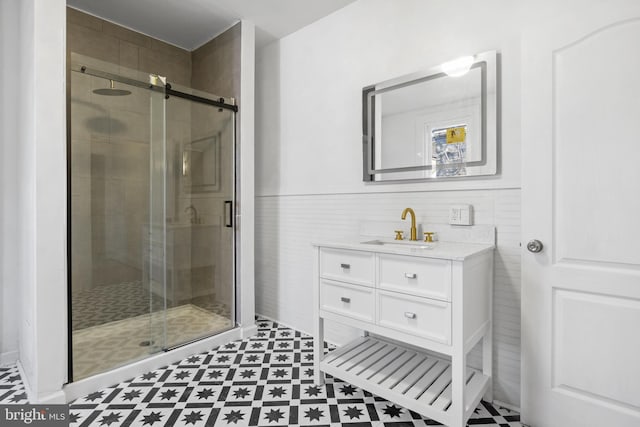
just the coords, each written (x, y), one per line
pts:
(414, 232)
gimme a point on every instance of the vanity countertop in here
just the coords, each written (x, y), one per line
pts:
(454, 251)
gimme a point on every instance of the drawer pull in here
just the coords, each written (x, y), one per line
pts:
(410, 275)
(345, 299)
(409, 315)
(345, 266)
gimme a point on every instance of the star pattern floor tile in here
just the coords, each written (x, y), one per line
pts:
(266, 380)
(11, 387)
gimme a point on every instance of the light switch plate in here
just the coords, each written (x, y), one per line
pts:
(461, 215)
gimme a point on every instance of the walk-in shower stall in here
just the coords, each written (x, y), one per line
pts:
(152, 192)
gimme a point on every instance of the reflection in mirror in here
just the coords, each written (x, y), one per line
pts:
(200, 167)
(432, 125)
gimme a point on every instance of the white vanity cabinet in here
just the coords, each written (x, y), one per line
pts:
(421, 309)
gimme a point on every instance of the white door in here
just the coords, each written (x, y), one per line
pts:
(581, 200)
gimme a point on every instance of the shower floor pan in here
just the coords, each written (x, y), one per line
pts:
(103, 347)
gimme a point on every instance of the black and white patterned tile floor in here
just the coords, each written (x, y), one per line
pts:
(11, 387)
(266, 380)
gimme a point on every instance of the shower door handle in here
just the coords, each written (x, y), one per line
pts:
(228, 213)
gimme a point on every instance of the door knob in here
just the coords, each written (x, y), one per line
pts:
(535, 246)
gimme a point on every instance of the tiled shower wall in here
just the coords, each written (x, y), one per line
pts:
(216, 70)
(110, 164)
(286, 226)
(103, 40)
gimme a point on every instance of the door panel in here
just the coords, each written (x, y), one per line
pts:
(581, 294)
(110, 147)
(595, 107)
(586, 327)
(200, 185)
(154, 233)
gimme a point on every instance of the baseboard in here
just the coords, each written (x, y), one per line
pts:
(249, 331)
(8, 358)
(282, 323)
(506, 406)
(295, 328)
(55, 398)
(25, 382)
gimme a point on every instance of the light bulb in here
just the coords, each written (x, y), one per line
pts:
(458, 67)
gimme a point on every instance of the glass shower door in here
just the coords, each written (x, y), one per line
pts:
(151, 205)
(155, 273)
(199, 231)
(110, 146)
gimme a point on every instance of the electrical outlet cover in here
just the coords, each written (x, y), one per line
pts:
(461, 215)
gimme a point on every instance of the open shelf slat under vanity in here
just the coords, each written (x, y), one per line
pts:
(415, 380)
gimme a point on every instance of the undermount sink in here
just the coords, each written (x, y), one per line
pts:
(401, 243)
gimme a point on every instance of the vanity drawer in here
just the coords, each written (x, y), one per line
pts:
(423, 317)
(347, 266)
(425, 277)
(349, 300)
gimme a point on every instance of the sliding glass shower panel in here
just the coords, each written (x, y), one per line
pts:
(199, 230)
(109, 142)
(155, 230)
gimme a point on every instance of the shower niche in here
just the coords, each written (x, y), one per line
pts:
(152, 192)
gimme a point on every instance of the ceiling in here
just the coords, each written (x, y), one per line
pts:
(191, 23)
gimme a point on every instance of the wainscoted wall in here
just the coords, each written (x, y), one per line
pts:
(286, 226)
(309, 152)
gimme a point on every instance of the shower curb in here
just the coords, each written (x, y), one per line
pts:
(85, 386)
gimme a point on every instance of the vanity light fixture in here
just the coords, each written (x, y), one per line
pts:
(458, 67)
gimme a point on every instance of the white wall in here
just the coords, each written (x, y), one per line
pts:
(310, 88)
(246, 139)
(8, 191)
(40, 211)
(308, 150)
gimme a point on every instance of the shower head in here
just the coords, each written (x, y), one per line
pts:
(112, 91)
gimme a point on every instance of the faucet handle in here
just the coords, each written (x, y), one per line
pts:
(399, 234)
(428, 236)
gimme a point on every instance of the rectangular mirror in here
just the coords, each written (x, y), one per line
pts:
(201, 165)
(438, 123)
